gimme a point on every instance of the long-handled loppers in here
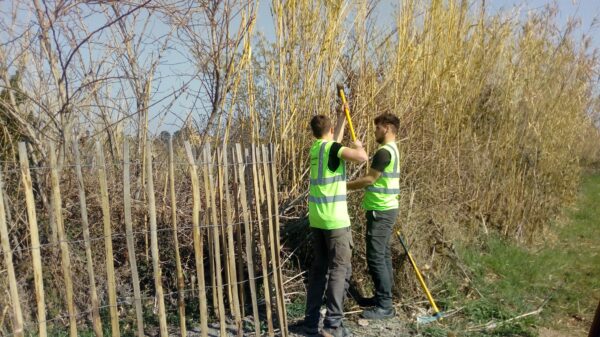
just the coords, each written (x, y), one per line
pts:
(340, 90)
(438, 314)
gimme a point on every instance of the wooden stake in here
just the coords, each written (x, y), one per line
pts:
(222, 235)
(211, 259)
(217, 247)
(277, 235)
(271, 239)
(35, 240)
(64, 246)
(162, 314)
(15, 303)
(180, 280)
(96, 323)
(110, 267)
(198, 242)
(238, 236)
(130, 242)
(230, 246)
(263, 248)
(248, 234)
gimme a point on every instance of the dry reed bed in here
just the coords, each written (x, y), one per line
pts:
(496, 111)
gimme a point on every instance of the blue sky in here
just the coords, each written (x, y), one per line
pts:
(173, 70)
(584, 10)
(587, 12)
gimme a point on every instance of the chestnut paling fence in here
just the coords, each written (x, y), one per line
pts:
(212, 241)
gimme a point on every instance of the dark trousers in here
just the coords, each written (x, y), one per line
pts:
(329, 275)
(379, 259)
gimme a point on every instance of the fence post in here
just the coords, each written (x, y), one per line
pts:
(35, 240)
(263, 249)
(198, 241)
(269, 162)
(211, 258)
(248, 236)
(96, 323)
(272, 239)
(216, 245)
(110, 267)
(273, 158)
(64, 246)
(241, 278)
(137, 295)
(162, 315)
(17, 322)
(180, 280)
(231, 252)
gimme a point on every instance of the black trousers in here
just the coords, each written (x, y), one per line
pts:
(329, 275)
(379, 231)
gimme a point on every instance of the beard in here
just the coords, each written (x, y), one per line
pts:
(379, 139)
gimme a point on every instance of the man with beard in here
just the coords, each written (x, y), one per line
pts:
(382, 186)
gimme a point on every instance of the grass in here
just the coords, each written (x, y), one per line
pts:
(561, 275)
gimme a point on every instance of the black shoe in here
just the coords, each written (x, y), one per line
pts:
(304, 328)
(365, 302)
(340, 331)
(378, 313)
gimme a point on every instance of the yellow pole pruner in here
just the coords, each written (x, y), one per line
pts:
(437, 313)
(340, 90)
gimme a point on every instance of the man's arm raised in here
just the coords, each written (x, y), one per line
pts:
(355, 154)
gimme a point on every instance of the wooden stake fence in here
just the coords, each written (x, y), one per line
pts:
(8, 262)
(235, 210)
(96, 323)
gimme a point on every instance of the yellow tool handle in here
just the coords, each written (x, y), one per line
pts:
(429, 297)
(421, 281)
(347, 111)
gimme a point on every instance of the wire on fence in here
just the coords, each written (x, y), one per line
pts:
(129, 301)
(180, 229)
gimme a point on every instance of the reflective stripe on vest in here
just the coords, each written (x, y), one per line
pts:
(327, 195)
(382, 195)
(324, 200)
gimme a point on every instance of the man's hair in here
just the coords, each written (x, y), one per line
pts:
(388, 119)
(320, 125)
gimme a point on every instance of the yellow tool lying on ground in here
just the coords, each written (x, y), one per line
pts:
(340, 90)
(438, 314)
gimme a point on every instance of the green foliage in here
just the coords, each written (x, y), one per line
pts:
(295, 309)
(560, 276)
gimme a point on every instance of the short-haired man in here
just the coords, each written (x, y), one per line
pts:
(330, 226)
(382, 186)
